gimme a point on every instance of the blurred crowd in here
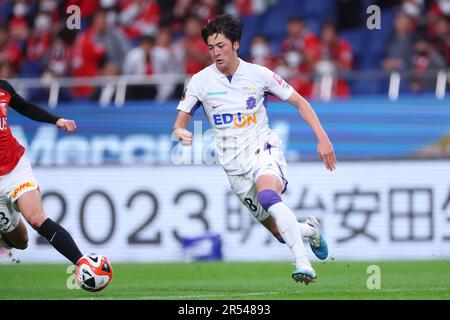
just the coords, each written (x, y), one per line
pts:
(146, 37)
(419, 42)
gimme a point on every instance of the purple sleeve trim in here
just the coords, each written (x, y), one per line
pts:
(194, 109)
(268, 146)
(266, 95)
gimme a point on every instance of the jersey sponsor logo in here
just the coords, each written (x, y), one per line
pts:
(30, 185)
(216, 93)
(238, 120)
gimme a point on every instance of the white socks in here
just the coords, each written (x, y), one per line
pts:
(291, 231)
(306, 230)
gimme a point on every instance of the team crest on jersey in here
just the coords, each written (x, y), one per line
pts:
(251, 102)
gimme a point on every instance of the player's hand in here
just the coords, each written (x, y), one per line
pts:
(68, 125)
(184, 136)
(326, 153)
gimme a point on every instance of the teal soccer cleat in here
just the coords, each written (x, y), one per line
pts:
(318, 244)
(305, 274)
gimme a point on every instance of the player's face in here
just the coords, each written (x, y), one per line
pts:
(223, 52)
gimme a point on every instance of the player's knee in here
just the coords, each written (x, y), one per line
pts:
(268, 198)
(36, 220)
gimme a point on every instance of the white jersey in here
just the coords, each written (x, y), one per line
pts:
(236, 109)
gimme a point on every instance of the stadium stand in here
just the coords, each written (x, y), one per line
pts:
(36, 43)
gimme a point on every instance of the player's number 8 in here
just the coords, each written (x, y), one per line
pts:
(250, 204)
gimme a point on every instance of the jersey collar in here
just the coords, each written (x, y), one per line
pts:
(239, 71)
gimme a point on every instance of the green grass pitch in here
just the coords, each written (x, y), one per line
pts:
(234, 281)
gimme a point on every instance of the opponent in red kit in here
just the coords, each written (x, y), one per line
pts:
(19, 192)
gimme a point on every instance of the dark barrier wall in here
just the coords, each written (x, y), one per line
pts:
(140, 133)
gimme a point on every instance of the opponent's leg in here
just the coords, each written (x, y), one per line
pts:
(31, 207)
(15, 239)
(13, 233)
(5, 249)
(269, 189)
(18, 238)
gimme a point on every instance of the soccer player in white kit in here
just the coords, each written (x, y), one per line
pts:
(233, 94)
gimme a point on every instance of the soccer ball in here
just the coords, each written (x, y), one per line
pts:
(93, 272)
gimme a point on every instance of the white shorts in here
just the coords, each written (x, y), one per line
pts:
(268, 159)
(13, 185)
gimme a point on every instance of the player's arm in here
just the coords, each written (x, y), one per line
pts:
(34, 112)
(324, 147)
(189, 103)
(180, 128)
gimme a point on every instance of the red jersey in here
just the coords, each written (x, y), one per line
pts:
(10, 149)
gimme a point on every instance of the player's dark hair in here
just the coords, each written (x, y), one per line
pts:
(229, 26)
